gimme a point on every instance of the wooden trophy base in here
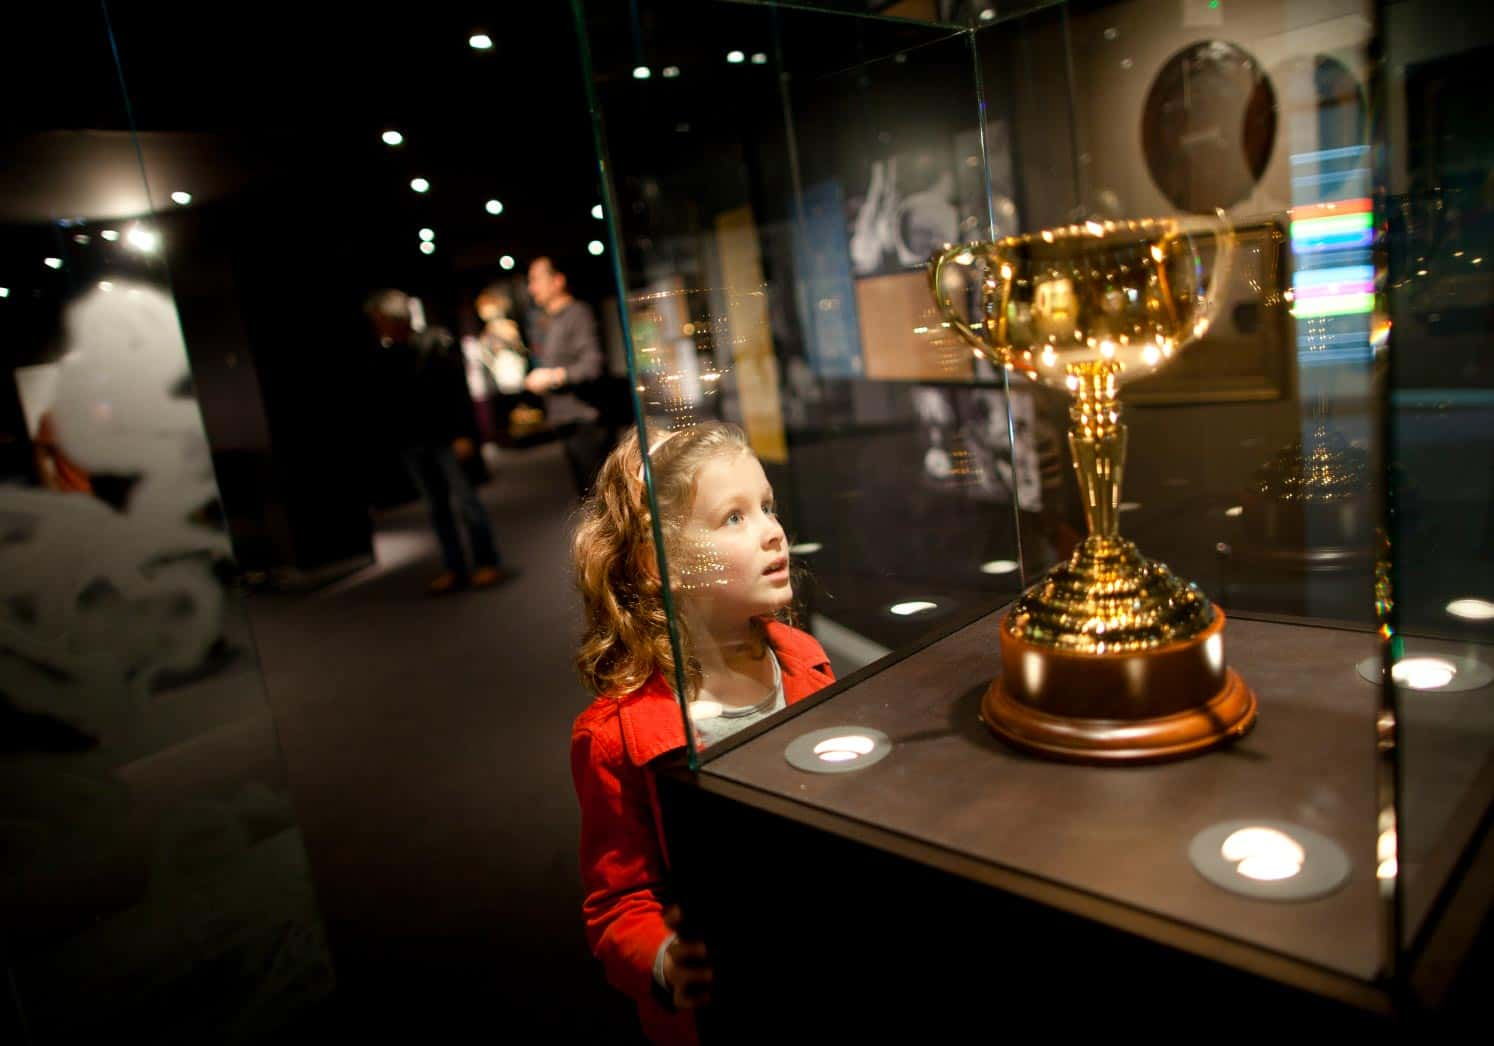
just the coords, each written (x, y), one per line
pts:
(1149, 706)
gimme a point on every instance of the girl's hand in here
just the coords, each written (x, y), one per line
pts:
(687, 967)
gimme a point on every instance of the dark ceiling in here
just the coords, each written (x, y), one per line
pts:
(289, 100)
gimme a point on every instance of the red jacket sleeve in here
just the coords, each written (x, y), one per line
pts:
(621, 862)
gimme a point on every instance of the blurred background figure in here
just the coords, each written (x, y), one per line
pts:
(569, 371)
(497, 361)
(430, 417)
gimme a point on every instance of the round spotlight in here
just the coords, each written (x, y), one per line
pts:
(805, 548)
(1470, 609)
(915, 606)
(4, 292)
(493, 206)
(988, 15)
(758, 58)
(105, 285)
(837, 749)
(596, 212)
(52, 263)
(506, 262)
(736, 57)
(181, 199)
(427, 247)
(420, 185)
(392, 138)
(110, 234)
(427, 235)
(82, 239)
(143, 239)
(1269, 860)
(1235, 510)
(999, 566)
(1423, 673)
(642, 72)
(595, 247)
(671, 71)
(480, 42)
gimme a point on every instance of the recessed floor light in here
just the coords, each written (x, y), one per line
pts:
(1430, 673)
(838, 749)
(1269, 860)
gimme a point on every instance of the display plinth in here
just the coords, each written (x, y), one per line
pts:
(1119, 708)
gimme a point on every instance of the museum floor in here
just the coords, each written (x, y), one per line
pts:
(426, 743)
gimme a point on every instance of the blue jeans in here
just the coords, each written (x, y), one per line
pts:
(438, 474)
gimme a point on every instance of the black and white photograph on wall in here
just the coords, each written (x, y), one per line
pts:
(911, 203)
(966, 443)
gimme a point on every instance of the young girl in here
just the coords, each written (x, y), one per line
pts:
(729, 572)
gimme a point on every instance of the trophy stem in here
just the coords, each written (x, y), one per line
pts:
(1097, 441)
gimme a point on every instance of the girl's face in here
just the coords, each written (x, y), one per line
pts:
(734, 553)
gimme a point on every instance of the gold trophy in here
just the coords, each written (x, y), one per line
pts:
(1109, 657)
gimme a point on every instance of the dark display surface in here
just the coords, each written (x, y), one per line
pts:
(1119, 834)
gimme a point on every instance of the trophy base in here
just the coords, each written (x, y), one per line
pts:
(1165, 703)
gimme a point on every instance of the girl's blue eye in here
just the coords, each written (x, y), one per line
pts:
(735, 517)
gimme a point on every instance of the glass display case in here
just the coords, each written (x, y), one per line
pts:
(1119, 372)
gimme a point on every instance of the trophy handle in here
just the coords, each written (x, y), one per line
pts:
(995, 310)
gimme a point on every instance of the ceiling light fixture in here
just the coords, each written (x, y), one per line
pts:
(181, 199)
(506, 262)
(393, 138)
(494, 207)
(420, 185)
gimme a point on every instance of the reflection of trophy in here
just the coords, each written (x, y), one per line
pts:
(1110, 657)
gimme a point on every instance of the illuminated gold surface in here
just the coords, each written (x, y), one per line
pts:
(1324, 467)
(1088, 307)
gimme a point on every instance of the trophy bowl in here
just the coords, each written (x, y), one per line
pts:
(1109, 657)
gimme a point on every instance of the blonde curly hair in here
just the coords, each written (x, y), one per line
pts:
(626, 637)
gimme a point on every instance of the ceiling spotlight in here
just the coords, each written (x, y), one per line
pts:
(81, 239)
(4, 292)
(142, 239)
(493, 207)
(420, 184)
(988, 15)
(52, 263)
(595, 247)
(642, 72)
(736, 57)
(999, 566)
(427, 235)
(596, 212)
(480, 42)
(671, 71)
(427, 247)
(181, 199)
(506, 262)
(805, 548)
(393, 138)
(758, 58)
(916, 606)
(110, 234)
(1471, 609)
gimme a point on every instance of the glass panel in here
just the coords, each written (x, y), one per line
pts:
(147, 833)
(775, 218)
(1441, 224)
(1196, 183)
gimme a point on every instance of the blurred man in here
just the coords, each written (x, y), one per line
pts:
(429, 416)
(568, 367)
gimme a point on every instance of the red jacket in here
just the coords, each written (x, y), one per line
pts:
(623, 859)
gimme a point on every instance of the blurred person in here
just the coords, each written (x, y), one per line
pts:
(498, 350)
(568, 370)
(430, 420)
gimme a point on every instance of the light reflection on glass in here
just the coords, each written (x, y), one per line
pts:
(1471, 609)
(916, 606)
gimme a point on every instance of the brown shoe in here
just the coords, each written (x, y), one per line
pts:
(487, 577)
(442, 585)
